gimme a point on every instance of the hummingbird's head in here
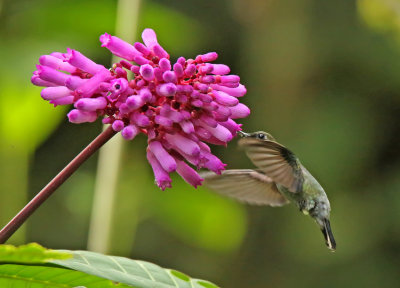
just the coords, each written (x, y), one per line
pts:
(260, 135)
(321, 212)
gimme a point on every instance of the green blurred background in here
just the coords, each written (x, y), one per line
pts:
(322, 76)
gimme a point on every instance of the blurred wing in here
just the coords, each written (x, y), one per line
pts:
(276, 161)
(245, 185)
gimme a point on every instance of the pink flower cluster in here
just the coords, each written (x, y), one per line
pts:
(179, 106)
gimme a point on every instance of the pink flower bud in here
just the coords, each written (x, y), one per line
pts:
(118, 125)
(208, 57)
(140, 119)
(220, 69)
(78, 116)
(165, 64)
(141, 60)
(142, 49)
(147, 72)
(169, 76)
(129, 132)
(160, 52)
(190, 70)
(91, 104)
(168, 89)
(178, 69)
(134, 102)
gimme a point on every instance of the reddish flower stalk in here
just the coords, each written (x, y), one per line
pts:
(48, 190)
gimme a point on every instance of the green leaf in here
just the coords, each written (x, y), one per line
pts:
(140, 274)
(31, 253)
(65, 268)
(15, 275)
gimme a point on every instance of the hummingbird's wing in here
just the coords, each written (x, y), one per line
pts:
(276, 161)
(245, 185)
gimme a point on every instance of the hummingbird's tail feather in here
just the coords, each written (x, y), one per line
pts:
(329, 239)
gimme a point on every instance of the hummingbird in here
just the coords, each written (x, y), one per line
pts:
(279, 180)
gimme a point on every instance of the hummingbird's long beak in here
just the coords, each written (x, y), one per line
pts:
(327, 231)
(243, 134)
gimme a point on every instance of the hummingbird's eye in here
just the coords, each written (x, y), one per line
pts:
(261, 136)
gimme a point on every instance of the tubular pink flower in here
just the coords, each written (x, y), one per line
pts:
(186, 145)
(239, 111)
(80, 61)
(90, 87)
(202, 133)
(213, 163)
(166, 161)
(220, 69)
(51, 93)
(119, 47)
(51, 75)
(187, 127)
(35, 79)
(179, 105)
(162, 177)
(149, 38)
(164, 121)
(187, 173)
(160, 52)
(225, 99)
(73, 82)
(63, 101)
(141, 60)
(56, 63)
(232, 126)
(237, 92)
(208, 120)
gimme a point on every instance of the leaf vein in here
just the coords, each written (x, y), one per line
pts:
(119, 265)
(146, 270)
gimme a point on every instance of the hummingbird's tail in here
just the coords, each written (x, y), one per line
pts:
(329, 239)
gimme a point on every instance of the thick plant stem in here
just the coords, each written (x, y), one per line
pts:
(46, 192)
